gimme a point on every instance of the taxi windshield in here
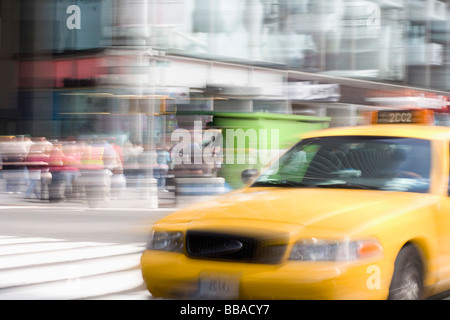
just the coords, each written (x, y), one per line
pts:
(361, 162)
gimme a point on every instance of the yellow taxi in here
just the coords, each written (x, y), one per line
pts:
(347, 213)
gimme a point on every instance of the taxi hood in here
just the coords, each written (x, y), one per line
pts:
(341, 209)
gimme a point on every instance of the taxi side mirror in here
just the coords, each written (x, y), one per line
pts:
(249, 175)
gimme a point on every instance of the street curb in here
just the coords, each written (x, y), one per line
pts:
(130, 202)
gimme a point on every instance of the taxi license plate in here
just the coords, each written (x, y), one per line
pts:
(218, 286)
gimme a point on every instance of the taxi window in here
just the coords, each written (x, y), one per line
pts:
(381, 163)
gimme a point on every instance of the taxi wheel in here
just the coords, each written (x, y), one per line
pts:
(407, 281)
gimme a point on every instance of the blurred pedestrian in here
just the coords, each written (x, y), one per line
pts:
(163, 161)
(71, 169)
(56, 162)
(118, 181)
(15, 171)
(37, 162)
(96, 179)
(119, 151)
(46, 176)
(132, 153)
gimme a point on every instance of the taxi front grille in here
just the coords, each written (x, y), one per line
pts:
(228, 247)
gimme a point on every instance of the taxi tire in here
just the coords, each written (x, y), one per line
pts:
(407, 280)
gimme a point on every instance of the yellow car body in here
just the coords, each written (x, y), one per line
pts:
(379, 225)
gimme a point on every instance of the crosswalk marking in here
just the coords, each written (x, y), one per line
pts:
(46, 268)
(139, 294)
(30, 259)
(76, 288)
(71, 270)
(13, 240)
(38, 247)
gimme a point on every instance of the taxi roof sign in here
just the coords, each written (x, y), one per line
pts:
(422, 116)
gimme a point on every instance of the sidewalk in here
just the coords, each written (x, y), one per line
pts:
(130, 198)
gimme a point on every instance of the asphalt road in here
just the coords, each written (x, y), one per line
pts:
(67, 251)
(118, 225)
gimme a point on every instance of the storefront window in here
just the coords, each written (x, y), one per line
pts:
(59, 26)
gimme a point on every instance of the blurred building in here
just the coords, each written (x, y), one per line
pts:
(127, 66)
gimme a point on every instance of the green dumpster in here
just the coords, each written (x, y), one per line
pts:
(252, 140)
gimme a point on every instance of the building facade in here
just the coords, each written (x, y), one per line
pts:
(116, 66)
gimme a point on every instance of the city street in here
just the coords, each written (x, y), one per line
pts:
(115, 114)
(68, 251)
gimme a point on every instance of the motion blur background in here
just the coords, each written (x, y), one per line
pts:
(137, 70)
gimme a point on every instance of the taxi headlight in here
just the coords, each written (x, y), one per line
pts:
(166, 241)
(335, 250)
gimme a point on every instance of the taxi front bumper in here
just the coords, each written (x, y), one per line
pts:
(174, 275)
